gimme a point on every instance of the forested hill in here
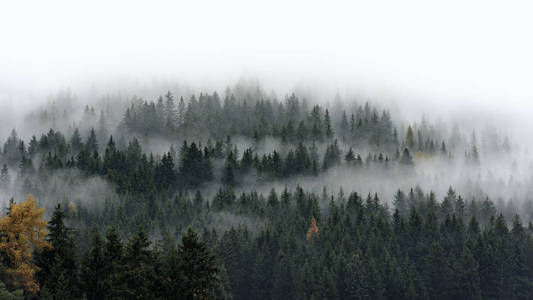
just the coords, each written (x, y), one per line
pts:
(250, 197)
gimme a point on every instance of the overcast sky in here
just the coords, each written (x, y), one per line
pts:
(476, 54)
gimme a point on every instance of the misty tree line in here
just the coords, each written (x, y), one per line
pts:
(251, 245)
(291, 121)
(129, 167)
(355, 248)
(134, 171)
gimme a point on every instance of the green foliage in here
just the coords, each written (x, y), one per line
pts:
(196, 269)
(5, 294)
(254, 246)
(58, 264)
(139, 269)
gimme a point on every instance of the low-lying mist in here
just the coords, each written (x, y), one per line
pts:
(503, 176)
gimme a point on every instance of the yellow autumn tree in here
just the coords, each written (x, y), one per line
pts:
(419, 156)
(72, 207)
(21, 231)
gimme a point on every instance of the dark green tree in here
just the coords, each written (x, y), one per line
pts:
(58, 264)
(197, 268)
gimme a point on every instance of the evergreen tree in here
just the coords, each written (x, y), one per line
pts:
(91, 145)
(410, 139)
(92, 275)
(58, 264)
(230, 168)
(400, 203)
(139, 272)
(406, 159)
(197, 268)
(76, 143)
(113, 268)
(4, 177)
(350, 156)
(327, 125)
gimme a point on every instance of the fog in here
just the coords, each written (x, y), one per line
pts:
(279, 149)
(450, 63)
(452, 54)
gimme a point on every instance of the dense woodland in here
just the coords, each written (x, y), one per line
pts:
(181, 212)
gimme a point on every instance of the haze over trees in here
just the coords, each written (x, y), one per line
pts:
(247, 196)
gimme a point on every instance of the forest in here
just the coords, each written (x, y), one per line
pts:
(243, 195)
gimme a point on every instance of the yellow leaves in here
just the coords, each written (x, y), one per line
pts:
(21, 231)
(423, 156)
(22, 276)
(313, 229)
(72, 208)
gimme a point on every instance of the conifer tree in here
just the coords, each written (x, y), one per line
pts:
(139, 272)
(197, 268)
(350, 156)
(113, 253)
(58, 264)
(406, 159)
(410, 139)
(92, 275)
(4, 177)
(327, 124)
(92, 143)
(22, 230)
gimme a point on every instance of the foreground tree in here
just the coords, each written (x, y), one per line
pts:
(92, 270)
(5, 294)
(140, 273)
(58, 265)
(22, 230)
(197, 269)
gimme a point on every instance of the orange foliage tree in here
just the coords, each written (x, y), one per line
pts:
(21, 231)
(313, 229)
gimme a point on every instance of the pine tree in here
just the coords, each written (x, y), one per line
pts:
(139, 273)
(332, 156)
(447, 205)
(22, 230)
(230, 169)
(102, 128)
(466, 277)
(93, 274)
(410, 139)
(4, 177)
(76, 144)
(92, 143)
(400, 203)
(327, 124)
(197, 268)
(170, 112)
(344, 123)
(436, 272)
(350, 156)
(113, 253)
(181, 112)
(406, 159)
(164, 175)
(59, 261)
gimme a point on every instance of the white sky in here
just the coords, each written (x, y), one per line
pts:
(467, 53)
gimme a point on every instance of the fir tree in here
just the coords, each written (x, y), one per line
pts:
(58, 264)
(197, 268)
